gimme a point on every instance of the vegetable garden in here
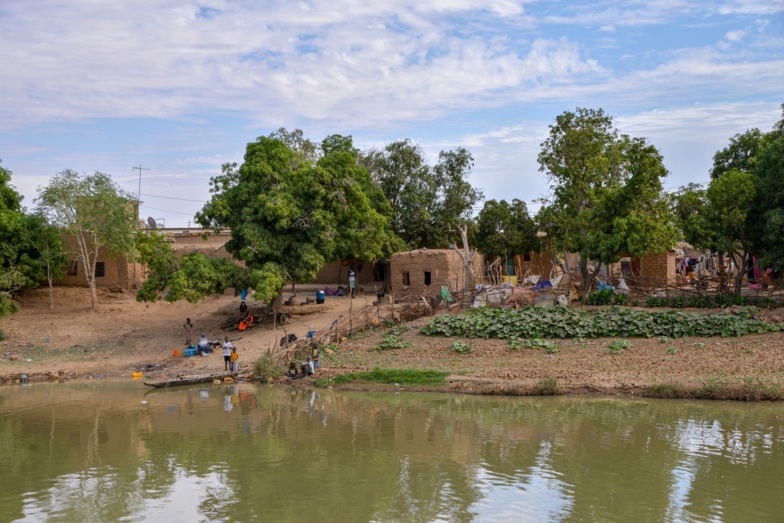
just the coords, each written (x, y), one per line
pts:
(567, 322)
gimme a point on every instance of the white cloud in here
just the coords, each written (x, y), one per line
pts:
(735, 36)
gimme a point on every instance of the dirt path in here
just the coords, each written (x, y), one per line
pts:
(124, 334)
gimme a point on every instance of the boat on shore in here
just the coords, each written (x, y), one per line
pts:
(192, 379)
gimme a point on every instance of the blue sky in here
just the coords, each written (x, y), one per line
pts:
(180, 87)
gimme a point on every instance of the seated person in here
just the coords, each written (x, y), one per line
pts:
(246, 321)
(292, 370)
(204, 345)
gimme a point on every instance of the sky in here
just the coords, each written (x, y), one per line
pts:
(180, 87)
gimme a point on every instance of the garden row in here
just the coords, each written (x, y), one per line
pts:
(607, 297)
(568, 322)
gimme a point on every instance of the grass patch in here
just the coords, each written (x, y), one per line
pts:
(546, 387)
(401, 377)
(748, 389)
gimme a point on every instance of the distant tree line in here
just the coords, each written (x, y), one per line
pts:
(294, 205)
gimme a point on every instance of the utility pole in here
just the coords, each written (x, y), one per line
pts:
(139, 194)
(138, 210)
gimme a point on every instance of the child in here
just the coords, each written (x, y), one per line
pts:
(188, 334)
(234, 357)
(316, 352)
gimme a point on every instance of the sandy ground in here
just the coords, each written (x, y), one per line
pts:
(125, 336)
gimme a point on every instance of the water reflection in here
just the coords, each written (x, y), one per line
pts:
(113, 451)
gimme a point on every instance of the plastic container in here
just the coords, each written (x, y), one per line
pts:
(320, 296)
(190, 351)
(175, 352)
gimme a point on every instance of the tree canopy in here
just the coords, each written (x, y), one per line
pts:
(607, 196)
(30, 251)
(289, 215)
(429, 203)
(766, 215)
(504, 228)
(94, 213)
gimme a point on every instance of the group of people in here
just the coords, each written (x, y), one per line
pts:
(308, 367)
(204, 347)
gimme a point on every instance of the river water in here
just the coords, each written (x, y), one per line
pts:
(115, 451)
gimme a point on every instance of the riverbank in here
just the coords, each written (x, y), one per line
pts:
(72, 342)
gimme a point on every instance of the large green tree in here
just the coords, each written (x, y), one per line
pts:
(716, 219)
(191, 277)
(289, 216)
(766, 215)
(740, 154)
(429, 203)
(607, 199)
(93, 213)
(30, 249)
(504, 228)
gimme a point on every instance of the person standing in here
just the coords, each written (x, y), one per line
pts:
(352, 282)
(226, 353)
(316, 353)
(188, 332)
(233, 358)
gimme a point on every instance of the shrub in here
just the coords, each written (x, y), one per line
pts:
(548, 347)
(619, 299)
(678, 302)
(619, 346)
(600, 297)
(462, 347)
(392, 341)
(265, 369)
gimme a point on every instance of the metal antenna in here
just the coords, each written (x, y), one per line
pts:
(139, 195)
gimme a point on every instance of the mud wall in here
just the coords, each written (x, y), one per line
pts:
(424, 272)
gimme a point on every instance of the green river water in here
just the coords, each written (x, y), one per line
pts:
(111, 451)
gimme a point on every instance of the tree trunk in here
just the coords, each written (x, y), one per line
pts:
(51, 290)
(741, 265)
(467, 257)
(93, 294)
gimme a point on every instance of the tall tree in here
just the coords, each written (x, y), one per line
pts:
(289, 218)
(407, 182)
(716, 218)
(454, 206)
(505, 229)
(607, 197)
(740, 154)
(94, 213)
(767, 209)
(429, 203)
(30, 252)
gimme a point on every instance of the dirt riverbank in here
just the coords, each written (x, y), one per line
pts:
(124, 336)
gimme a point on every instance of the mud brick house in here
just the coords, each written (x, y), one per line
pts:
(653, 269)
(425, 271)
(124, 275)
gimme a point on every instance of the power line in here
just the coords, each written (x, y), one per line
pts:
(169, 211)
(173, 198)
